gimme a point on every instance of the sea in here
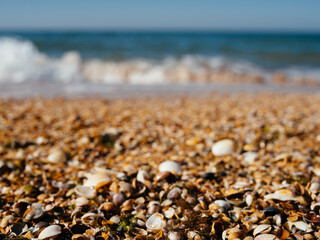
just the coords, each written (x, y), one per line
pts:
(152, 57)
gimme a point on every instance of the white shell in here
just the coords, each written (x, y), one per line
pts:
(155, 222)
(249, 200)
(281, 195)
(169, 213)
(266, 237)
(264, 228)
(169, 166)
(250, 157)
(97, 177)
(223, 147)
(222, 203)
(50, 231)
(57, 156)
(81, 201)
(300, 225)
(142, 176)
(84, 191)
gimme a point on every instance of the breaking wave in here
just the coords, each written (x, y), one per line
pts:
(21, 61)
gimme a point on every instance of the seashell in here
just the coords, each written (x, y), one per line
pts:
(223, 204)
(153, 207)
(314, 187)
(266, 237)
(249, 200)
(155, 222)
(170, 166)
(169, 213)
(35, 211)
(98, 178)
(282, 234)
(85, 191)
(6, 221)
(299, 225)
(79, 237)
(115, 219)
(172, 235)
(39, 225)
(282, 195)
(223, 147)
(81, 201)
(142, 176)
(174, 193)
(50, 231)
(264, 228)
(89, 218)
(57, 156)
(250, 157)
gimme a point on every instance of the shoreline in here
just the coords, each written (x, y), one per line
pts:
(113, 91)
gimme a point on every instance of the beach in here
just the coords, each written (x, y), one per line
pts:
(219, 165)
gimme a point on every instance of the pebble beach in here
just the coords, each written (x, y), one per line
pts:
(217, 166)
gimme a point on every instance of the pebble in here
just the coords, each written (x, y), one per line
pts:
(223, 147)
(119, 198)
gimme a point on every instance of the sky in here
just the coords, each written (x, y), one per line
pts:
(255, 15)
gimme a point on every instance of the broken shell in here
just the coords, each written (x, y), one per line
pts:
(314, 187)
(34, 212)
(81, 201)
(169, 213)
(51, 231)
(299, 225)
(264, 228)
(250, 157)
(169, 166)
(85, 191)
(174, 193)
(266, 237)
(97, 178)
(89, 218)
(142, 176)
(115, 219)
(155, 222)
(223, 147)
(282, 195)
(57, 156)
(175, 235)
(223, 204)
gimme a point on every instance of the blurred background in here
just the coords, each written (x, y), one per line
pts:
(81, 43)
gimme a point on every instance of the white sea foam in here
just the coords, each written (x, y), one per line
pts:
(21, 61)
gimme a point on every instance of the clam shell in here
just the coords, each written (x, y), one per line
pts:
(57, 156)
(50, 231)
(97, 178)
(169, 166)
(264, 228)
(281, 195)
(223, 147)
(155, 222)
(266, 237)
(85, 191)
(142, 176)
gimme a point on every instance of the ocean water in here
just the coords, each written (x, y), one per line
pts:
(154, 57)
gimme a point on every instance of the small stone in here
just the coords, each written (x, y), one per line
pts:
(119, 198)
(223, 147)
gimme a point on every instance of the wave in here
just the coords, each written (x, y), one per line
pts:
(21, 61)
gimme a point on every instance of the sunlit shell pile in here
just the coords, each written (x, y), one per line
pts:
(210, 167)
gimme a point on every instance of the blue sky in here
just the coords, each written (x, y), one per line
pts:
(289, 15)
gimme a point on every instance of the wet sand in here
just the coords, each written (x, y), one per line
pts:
(86, 168)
